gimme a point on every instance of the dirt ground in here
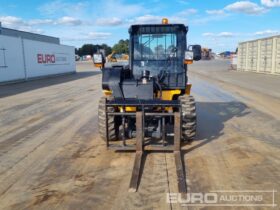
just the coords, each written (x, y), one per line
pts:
(51, 156)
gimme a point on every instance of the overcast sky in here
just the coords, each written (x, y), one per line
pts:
(217, 24)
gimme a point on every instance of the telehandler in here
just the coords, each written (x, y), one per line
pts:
(147, 104)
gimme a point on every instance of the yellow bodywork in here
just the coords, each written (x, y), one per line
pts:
(107, 92)
(111, 57)
(167, 95)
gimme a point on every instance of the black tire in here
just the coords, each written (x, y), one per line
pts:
(188, 117)
(112, 127)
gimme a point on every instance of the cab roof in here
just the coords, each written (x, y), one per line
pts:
(157, 28)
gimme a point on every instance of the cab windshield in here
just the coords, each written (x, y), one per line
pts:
(155, 52)
(154, 46)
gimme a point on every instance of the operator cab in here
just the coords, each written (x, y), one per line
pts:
(159, 49)
(162, 50)
(158, 58)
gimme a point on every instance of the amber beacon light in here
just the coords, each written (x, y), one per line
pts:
(164, 21)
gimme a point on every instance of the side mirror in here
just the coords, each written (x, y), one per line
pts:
(196, 49)
(98, 60)
(188, 57)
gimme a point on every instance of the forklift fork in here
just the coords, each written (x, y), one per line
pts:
(134, 181)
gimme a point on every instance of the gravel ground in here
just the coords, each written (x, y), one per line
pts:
(219, 69)
(53, 158)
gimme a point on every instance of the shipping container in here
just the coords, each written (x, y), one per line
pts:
(241, 64)
(252, 56)
(277, 56)
(261, 55)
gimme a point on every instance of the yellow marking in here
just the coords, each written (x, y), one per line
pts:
(130, 109)
(127, 109)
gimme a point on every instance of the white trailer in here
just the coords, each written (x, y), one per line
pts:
(23, 59)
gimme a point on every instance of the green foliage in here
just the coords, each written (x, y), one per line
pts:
(108, 49)
(90, 49)
(121, 46)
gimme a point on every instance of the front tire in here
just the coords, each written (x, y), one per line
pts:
(112, 126)
(188, 109)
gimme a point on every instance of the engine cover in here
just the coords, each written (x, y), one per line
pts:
(124, 86)
(132, 88)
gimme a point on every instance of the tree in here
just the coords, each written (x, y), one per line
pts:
(108, 49)
(90, 49)
(86, 49)
(121, 47)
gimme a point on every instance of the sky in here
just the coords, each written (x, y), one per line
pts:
(216, 24)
